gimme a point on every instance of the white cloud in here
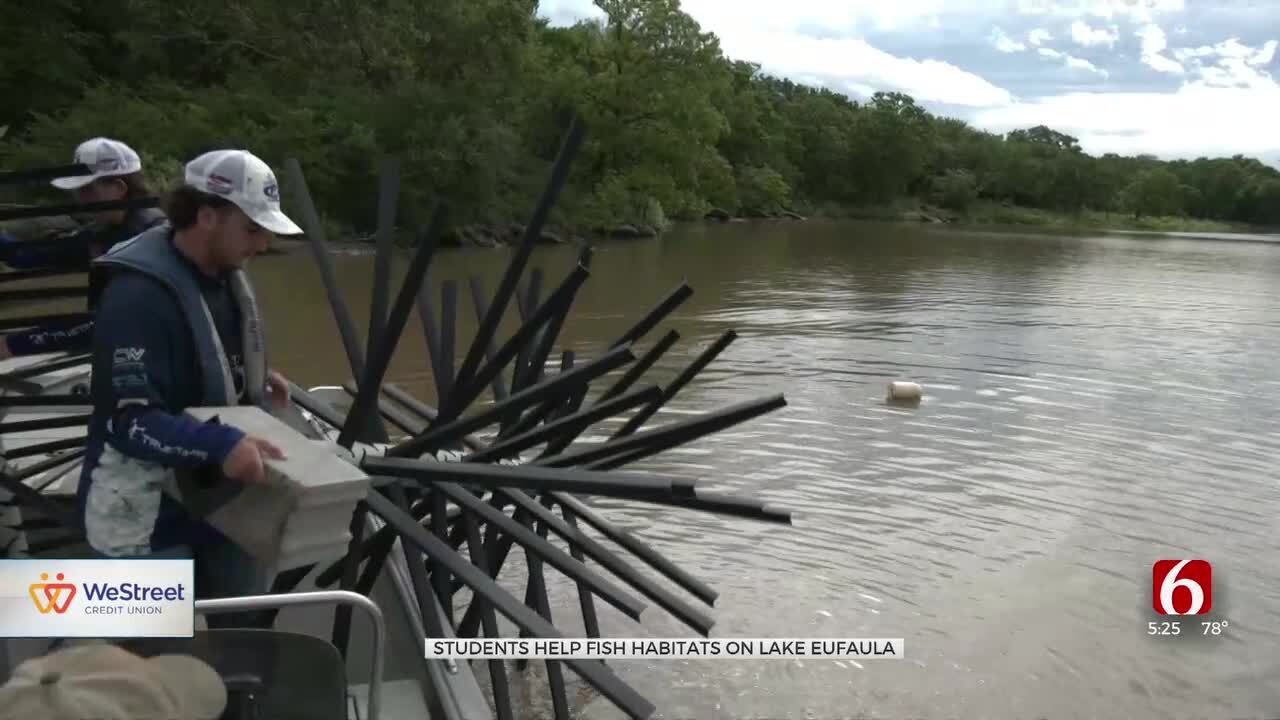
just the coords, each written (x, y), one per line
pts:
(567, 12)
(1266, 54)
(1038, 36)
(1153, 44)
(1071, 61)
(1004, 43)
(1087, 36)
(1233, 48)
(1197, 119)
(1139, 11)
(850, 62)
(1082, 64)
(1185, 54)
(771, 34)
(1233, 64)
(1227, 104)
(847, 15)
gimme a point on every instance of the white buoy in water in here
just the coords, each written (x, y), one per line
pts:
(905, 392)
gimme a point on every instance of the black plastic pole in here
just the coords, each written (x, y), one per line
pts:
(431, 335)
(464, 394)
(77, 208)
(33, 320)
(586, 547)
(47, 293)
(489, 621)
(526, 302)
(491, 351)
(421, 409)
(671, 435)
(545, 551)
(58, 421)
(391, 414)
(16, 177)
(637, 547)
(547, 338)
(548, 407)
(448, 335)
(532, 232)
(513, 445)
(593, 671)
(388, 197)
(342, 615)
(537, 479)
(36, 274)
(45, 368)
(341, 313)
(704, 358)
(633, 373)
(656, 315)
(45, 401)
(44, 448)
(443, 435)
(366, 402)
(49, 463)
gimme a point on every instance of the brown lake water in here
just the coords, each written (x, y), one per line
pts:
(1093, 403)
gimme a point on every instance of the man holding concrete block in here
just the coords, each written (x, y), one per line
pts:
(178, 327)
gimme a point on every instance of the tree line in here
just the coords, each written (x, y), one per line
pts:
(472, 95)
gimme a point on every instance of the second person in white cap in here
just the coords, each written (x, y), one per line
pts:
(116, 175)
(178, 326)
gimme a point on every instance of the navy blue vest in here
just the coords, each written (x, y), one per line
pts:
(153, 254)
(135, 223)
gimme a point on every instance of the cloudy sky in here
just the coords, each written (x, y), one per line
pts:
(1176, 78)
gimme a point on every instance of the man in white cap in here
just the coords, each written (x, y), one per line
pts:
(117, 175)
(99, 681)
(178, 327)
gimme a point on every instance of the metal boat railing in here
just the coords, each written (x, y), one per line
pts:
(319, 597)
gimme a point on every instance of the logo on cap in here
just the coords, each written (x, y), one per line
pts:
(49, 596)
(107, 165)
(219, 184)
(272, 191)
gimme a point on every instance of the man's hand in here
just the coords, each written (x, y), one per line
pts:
(278, 390)
(245, 461)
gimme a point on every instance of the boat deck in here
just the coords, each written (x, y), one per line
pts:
(407, 682)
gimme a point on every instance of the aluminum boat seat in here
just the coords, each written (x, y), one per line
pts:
(276, 674)
(268, 673)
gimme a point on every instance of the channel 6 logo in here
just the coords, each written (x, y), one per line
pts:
(1182, 587)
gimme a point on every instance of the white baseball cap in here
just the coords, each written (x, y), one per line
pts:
(106, 682)
(244, 179)
(105, 157)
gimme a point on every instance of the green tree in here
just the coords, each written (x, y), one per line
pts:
(955, 189)
(472, 96)
(1154, 192)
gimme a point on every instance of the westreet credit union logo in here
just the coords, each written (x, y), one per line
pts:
(97, 598)
(52, 596)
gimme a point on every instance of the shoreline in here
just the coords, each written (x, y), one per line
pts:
(985, 215)
(997, 214)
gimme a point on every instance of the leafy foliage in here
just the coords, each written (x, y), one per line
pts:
(471, 95)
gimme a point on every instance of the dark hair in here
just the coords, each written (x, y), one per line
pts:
(183, 204)
(135, 185)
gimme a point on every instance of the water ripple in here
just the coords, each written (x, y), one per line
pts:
(1093, 404)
